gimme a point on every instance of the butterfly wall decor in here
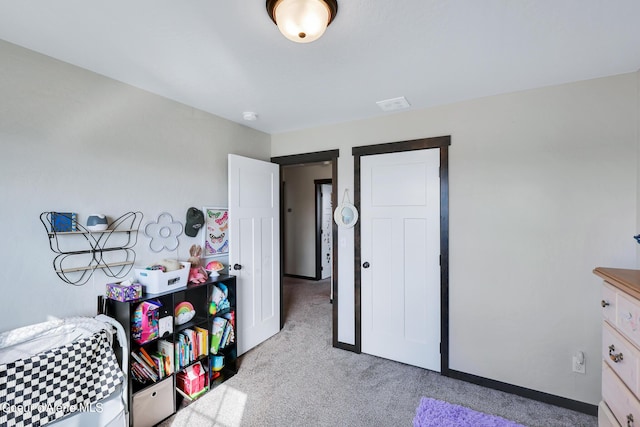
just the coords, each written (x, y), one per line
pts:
(216, 236)
(81, 251)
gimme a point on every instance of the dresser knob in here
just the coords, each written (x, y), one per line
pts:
(604, 303)
(616, 358)
(630, 420)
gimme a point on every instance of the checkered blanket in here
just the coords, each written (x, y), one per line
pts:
(40, 389)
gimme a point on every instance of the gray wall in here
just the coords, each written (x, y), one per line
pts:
(300, 219)
(543, 187)
(75, 141)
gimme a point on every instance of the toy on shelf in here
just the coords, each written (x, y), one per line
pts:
(214, 267)
(219, 298)
(126, 290)
(192, 381)
(197, 274)
(144, 325)
(184, 312)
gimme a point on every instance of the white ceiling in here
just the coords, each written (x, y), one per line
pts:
(227, 56)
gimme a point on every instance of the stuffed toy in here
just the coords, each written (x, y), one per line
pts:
(197, 274)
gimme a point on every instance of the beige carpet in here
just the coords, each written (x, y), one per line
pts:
(297, 378)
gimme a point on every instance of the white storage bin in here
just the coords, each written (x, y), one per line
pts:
(154, 404)
(157, 281)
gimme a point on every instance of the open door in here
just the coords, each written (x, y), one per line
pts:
(254, 250)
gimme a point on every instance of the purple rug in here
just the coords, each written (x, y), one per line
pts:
(436, 413)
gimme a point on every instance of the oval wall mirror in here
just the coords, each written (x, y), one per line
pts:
(345, 215)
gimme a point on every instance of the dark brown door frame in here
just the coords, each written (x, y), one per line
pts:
(318, 188)
(441, 142)
(298, 159)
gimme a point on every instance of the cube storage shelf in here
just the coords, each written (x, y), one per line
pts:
(194, 368)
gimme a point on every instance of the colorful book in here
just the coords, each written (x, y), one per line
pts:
(63, 222)
(225, 336)
(158, 361)
(139, 373)
(217, 331)
(165, 348)
(147, 370)
(202, 339)
(147, 357)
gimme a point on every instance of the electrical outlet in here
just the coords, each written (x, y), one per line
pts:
(579, 367)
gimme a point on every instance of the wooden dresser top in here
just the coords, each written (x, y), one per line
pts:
(623, 279)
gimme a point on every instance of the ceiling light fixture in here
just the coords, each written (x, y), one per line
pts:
(302, 21)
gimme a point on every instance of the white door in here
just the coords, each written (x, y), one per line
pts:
(254, 247)
(400, 252)
(326, 229)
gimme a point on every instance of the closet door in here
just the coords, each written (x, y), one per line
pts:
(400, 253)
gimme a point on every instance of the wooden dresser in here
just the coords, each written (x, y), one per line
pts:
(620, 303)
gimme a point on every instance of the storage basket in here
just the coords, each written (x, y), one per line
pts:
(157, 281)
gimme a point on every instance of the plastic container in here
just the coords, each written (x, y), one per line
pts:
(157, 281)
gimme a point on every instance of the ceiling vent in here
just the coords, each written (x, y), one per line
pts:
(394, 104)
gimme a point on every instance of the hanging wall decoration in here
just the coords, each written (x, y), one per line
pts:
(346, 214)
(216, 236)
(163, 233)
(82, 250)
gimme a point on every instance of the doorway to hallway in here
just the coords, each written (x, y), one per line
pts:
(290, 251)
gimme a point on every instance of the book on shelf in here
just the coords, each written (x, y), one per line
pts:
(191, 398)
(152, 366)
(202, 339)
(185, 348)
(231, 317)
(165, 348)
(159, 362)
(217, 331)
(228, 333)
(63, 222)
(193, 343)
(144, 369)
(147, 358)
(139, 374)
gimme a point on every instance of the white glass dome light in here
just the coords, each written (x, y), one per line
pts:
(302, 21)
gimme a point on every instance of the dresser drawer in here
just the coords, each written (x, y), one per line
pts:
(608, 303)
(606, 417)
(622, 357)
(628, 317)
(619, 399)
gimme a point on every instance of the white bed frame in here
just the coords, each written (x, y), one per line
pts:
(111, 411)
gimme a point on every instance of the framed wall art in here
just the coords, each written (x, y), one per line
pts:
(216, 233)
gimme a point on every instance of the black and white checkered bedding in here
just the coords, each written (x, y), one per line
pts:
(40, 389)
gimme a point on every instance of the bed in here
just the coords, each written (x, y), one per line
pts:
(64, 373)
